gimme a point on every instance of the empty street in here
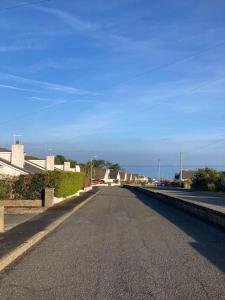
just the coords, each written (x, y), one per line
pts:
(122, 245)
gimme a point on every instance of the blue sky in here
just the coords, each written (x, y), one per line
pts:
(126, 80)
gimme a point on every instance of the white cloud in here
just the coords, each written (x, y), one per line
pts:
(11, 87)
(70, 19)
(47, 85)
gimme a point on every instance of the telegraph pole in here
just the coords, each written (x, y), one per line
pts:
(91, 169)
(159, 171)
(181, 166)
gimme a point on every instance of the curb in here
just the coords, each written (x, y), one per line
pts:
(6, 260)
(207, 214)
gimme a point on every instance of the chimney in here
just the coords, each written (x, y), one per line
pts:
(66, 166)
(17, 155)
(77, 168)
(50, 163)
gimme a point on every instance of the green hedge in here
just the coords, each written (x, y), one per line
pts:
(30, 187)
(5, 189)
(68, 183)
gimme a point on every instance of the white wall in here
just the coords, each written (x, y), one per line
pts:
(60, 167)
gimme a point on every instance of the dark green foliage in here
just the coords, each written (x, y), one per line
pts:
(208, 180)
(60, 159)
(67, 183)
(5, 189)
(100, 163)
(32, 186)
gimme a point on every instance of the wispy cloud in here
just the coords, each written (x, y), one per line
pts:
(47, 85)
(28, 115)
(56, 63)
(12, 87)
(90, 124)
(70, 19)
(22, 44)
(58, 101)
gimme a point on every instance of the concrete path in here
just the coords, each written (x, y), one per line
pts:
(122, 245)
(212, 200)
(17, 216)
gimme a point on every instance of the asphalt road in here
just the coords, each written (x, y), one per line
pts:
(122, 245)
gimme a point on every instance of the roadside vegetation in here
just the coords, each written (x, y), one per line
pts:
(205, 179)
(60, 159)
(67, 183)
(31, 187)
(208, 179)
(104, 164)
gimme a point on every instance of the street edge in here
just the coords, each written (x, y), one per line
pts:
(6, 260)
(204, 213)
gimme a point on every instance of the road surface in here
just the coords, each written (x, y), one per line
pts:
(122, 245)
(212, 200)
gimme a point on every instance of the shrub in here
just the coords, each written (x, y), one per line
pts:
(32, 186)
(5, 189)
(211, 187)
(67, 183)
(208, 180)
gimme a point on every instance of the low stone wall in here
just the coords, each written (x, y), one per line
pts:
(61, 199)
(207, 214)
(48, 201)
(22, 203)
(2, 224)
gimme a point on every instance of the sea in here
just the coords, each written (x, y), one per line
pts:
(166, 171)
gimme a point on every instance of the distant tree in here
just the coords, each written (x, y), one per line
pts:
(115, 167)
(105, 164)
(60, 159)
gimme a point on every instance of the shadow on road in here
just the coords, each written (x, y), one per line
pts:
(209, 241)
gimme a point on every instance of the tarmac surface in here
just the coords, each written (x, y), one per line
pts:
(122, 245)
(213, 200)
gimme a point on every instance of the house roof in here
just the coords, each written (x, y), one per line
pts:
(12, 165)
(99, 173)
(122, 175)
(128, 176)
(186, 174)
(4, 150)
(113, 174)
(28, 167)
(31, 168)
(30, 157)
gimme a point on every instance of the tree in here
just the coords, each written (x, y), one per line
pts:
(104, 164)
(208, 179)
(115, 167)
(60, 159)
